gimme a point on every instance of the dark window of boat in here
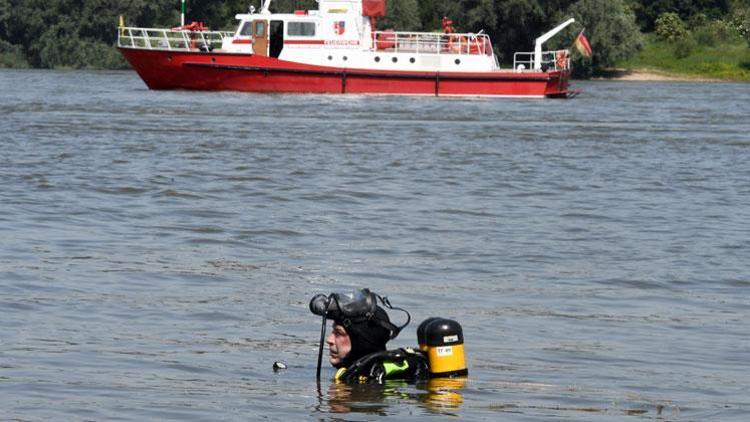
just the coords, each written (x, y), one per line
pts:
(301, 29)
(247, 29)
(377, 59)
(276, 43)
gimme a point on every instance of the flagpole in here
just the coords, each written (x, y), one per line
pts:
(182, 14)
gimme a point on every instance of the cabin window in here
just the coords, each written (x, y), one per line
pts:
(301, 29)
(260, 29)
(247, 29)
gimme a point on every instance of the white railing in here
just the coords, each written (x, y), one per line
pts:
(167, 39)
(551, 61)
(431, 43)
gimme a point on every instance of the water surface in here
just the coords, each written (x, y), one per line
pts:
(158, 249)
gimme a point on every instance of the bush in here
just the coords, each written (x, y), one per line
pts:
(706, 36)
(684, 46)
(725, 31)
(669, 27)
(11, 56)
(697, 21)
(61, 47)
(715, 32)
(741, 23)
(610, 28)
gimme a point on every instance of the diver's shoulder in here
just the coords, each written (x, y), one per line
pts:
(403, 363)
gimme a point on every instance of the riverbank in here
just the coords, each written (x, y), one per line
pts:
(687, 60)
(646, 74)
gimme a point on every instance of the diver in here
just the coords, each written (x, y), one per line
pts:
(361, 329)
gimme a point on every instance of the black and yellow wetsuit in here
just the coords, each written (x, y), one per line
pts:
(403, 364)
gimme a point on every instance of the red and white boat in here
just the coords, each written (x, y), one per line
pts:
(336, 49)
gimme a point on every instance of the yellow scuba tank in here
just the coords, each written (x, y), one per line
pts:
(443, 342)
(420, 333)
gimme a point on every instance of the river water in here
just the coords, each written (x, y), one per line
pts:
(158, 249)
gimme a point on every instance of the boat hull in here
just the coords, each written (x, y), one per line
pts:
(216, 71)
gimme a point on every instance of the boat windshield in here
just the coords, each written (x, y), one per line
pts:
(247, 29)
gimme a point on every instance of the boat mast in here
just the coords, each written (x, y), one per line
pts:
(266, 5)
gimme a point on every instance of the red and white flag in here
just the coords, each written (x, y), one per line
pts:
(583, 46)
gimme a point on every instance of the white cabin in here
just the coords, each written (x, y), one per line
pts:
(340, 34)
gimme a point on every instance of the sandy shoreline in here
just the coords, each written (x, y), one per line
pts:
(649, 75)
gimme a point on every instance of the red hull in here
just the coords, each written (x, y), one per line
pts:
(242, 72)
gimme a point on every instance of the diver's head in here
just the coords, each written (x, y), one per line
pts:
(351, 340)
(339, 345)
(360, 326)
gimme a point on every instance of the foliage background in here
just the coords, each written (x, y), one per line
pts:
(82, 33)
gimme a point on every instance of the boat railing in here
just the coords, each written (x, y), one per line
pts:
(551, 61)
(432, 43)
(169, 39)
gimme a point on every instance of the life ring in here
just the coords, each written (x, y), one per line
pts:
(456, 43)
(562, 59)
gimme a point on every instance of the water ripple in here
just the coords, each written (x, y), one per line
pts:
(158, 249)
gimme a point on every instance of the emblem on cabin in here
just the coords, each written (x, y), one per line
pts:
(339, 27)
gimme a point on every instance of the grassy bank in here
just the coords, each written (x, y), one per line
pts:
(728, 60)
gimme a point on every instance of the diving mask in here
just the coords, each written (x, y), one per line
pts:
(341, 306)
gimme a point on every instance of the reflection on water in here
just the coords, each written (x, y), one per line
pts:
(359, 398)
(442, 395)
(445, 396)
(436, 395)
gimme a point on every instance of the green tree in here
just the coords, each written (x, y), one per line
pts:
(740, 21)
(80, 33)
(649, 11)
(402, 15)
(669, 27)
(11, 56)
(611, 29)
(431, 13)
(482, 16)
(69, 33)
(519, 23)
(428, 15)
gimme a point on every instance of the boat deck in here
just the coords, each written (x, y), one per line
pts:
(420, 43)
